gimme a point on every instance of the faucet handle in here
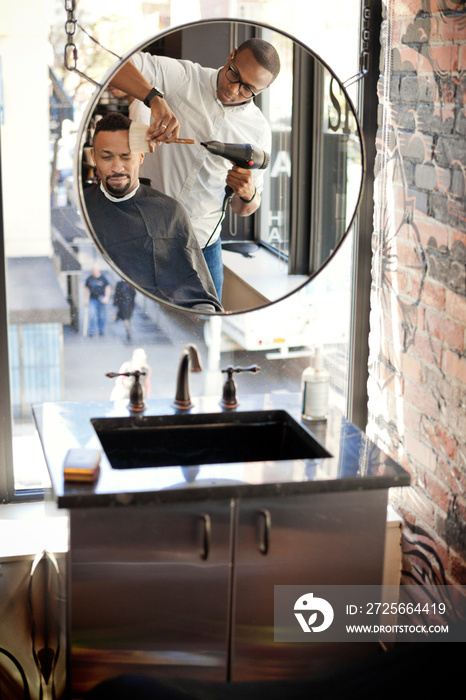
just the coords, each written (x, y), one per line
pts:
(137, 373)
(229, 399)
(136, 394)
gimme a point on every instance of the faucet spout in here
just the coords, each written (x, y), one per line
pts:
(189, 355)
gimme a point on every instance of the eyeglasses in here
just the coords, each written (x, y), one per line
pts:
(234, 77)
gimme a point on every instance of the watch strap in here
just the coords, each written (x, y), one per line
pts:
(250, 200)
(155, 92)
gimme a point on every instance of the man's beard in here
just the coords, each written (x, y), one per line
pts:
(119, 191)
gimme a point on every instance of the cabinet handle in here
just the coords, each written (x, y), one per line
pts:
(205, 535)
(264, 526)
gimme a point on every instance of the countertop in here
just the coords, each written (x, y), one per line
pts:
(356, 462)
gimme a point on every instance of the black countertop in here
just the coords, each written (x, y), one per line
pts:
(356, 463)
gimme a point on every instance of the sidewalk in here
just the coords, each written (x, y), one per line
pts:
(161, 332)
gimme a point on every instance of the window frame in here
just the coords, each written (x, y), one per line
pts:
(370, 19)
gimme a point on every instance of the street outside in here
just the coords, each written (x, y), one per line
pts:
(163, 333)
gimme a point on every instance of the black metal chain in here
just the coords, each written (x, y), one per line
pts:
(71, 50)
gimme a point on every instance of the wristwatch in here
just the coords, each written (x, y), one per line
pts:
(153, 93)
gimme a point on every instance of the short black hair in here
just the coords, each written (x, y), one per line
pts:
(114, 121)
(265, 54)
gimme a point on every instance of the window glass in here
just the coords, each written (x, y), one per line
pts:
(49, 255)
(277, 106)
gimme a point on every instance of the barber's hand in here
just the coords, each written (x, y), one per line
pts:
(241, 182)
(165, 127)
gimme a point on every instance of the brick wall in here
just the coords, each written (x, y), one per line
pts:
(417, 363)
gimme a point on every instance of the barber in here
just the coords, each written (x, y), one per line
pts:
(212, 104)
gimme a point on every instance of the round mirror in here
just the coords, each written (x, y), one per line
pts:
(295, 139)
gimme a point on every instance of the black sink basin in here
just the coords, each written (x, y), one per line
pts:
(207, 438)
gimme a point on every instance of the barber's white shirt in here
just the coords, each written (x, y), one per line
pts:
(189, 173)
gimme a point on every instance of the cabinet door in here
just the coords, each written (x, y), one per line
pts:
(149, 591)
(320, 539)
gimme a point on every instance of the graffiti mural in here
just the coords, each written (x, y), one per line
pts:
(417, 363)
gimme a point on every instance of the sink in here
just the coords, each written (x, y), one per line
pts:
(208, 438)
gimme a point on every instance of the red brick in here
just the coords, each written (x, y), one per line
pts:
(457, 236)
(444, 58)
(411, 368)
(432, 293)
(454, 365)
(425, 66)
(458, 413)
(447, 474)
(458, 594)
(406, 235)
(398, 29)
(458, 570)
(448, 443)
(410, 312)
(442, 552)
(406, 8)
(408, 255)
(436, 6)
(462, 58)
(441, 440)
(455, 306)
(459, 476)
(399, 280)
(393, 332)
(446, 330)
(429, 228)
(424, 346)
(451, 29)
(421, 454)
(411, 418)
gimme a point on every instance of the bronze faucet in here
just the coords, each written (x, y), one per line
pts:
(136, 395)
(182, 398)
(229, 399)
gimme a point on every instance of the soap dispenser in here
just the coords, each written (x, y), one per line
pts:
(315, 388)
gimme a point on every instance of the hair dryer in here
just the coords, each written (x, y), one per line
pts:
(244, 155)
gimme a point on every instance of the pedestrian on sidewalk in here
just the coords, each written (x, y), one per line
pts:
(96, 297)
(123, 299)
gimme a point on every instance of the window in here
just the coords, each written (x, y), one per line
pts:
(49, 357)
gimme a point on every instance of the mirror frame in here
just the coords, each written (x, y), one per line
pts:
(81, 136)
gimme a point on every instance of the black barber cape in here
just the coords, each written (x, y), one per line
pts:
(150, 239)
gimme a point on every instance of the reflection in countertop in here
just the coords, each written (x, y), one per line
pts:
(356, 462)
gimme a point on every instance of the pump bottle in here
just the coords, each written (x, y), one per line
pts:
(315, 389)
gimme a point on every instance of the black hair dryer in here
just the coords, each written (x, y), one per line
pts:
(244, 155)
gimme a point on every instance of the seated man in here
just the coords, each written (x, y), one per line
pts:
(146, 234)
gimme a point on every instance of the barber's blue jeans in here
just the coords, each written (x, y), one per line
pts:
(213, 258)
(97, 316)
